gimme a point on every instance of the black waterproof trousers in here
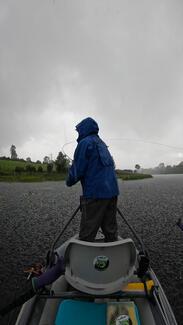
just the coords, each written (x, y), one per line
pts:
(96, 213)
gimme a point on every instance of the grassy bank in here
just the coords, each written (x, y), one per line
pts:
(43, 177)
(8, 166)
(133, 176)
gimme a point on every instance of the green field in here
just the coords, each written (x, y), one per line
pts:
(8, 172)
(8, 166)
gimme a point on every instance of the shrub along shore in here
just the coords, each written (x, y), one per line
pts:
(133, 176)
(20, 171)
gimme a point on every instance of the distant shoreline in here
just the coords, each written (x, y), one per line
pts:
(133, 176)
(12, 171)
(26, 178)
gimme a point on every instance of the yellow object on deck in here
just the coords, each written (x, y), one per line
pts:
(138, 286)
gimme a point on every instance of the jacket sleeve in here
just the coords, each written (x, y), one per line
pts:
(79, 165)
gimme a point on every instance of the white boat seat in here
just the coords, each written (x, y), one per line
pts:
(99, 268)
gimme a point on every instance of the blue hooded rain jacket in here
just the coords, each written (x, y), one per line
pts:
(93, 164)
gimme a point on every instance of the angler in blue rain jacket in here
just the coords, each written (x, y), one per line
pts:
(93, 166)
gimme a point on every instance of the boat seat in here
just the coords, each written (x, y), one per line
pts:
(99, 268)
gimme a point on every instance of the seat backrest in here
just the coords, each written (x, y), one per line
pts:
(99, 268)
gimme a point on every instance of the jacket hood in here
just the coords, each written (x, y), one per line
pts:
(86, 127)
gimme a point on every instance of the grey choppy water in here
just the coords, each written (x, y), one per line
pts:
(31, 215)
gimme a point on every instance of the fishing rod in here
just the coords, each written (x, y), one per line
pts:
(51, 253)
(133, 231)
(126, 139)
(62, 149)
(148, 142)
(143, 256)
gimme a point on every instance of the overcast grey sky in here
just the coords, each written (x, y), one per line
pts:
(118, 61)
